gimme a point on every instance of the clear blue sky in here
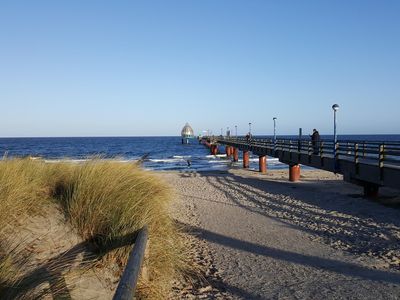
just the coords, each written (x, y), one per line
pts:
(104, 68)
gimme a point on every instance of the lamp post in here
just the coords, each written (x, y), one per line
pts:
(236, 131)
(228, 134)
(335, 108)
(274, 118)
(221, 131)
(250, 128)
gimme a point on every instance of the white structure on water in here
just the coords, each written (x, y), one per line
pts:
(187, 133)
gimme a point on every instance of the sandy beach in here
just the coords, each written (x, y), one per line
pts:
(263, 237)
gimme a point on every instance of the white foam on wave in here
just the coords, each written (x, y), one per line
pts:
(182, 156)
(74, 161)
(222, 162)
(255, 158)
(165, 160)
(83, 160)
(216, 156)
(272, 159)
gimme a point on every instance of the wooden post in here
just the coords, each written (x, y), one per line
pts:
(294, 173)
(145, 267)
(356, 159)
(228, 151)
(321, 152)
(214, 149)
(246, 156)
(381, 155)
(321, 149)
(262, 163)
(336, 151)
(381, 159)
(235, 154)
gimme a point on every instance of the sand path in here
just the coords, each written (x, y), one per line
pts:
(271, 239)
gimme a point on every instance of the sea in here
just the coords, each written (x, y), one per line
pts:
(161, 153)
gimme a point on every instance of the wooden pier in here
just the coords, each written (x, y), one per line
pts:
(369, 164)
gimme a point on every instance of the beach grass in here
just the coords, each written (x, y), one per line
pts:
(106, 202)
(21, 191)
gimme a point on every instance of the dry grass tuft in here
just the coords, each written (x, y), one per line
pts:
(21, 191)
(105, 201)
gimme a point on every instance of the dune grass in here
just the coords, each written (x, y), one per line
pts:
(21, 191)
(105, 201)
(21, 195)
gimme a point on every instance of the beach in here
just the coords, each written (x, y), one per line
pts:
(262, 237)
(200, 150)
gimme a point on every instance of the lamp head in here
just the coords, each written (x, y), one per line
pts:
(335, 107)
(274, 118)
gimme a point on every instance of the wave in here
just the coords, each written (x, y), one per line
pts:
(77, 161)
(82, 160)
(164, 160)
(182, 156)
(179, 162)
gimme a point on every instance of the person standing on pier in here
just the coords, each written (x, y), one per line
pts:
(248, 137)
(315, 138)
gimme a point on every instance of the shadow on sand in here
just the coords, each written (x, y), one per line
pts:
(330, 265)
(316, 207)
(81, 256)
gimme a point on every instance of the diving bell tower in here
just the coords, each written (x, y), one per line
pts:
(187, 133)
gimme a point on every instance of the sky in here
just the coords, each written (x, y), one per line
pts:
(143, 68)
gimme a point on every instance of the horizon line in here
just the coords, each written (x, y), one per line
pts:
(152, 136)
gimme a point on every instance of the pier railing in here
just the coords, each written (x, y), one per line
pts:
(127, 284)
(376, 153)
(367, 163)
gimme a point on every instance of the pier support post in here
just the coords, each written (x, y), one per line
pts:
(228, 151)
(262, 164)
(294, 173)
(246, 156)
(235, 154)
(371, 191)
(214, 149)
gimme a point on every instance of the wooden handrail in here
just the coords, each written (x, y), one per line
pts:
(127, 284)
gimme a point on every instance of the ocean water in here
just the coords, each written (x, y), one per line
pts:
(164, 153)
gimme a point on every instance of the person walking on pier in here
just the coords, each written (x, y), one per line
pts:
(315, 138)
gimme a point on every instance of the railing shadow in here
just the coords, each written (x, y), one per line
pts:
(339, 267)
(354, 224)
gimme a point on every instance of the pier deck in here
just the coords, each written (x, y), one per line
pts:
(370, 164)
